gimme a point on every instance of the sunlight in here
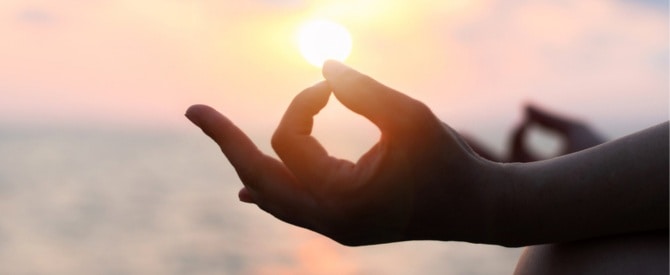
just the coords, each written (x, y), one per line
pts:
(320, 40)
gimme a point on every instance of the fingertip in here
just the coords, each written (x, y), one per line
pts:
(532, 110)
(322, 86)
(194, 112)
(245, 196)
(538, 112)
(333, 68)
(303, 107)
(195, 108)
(365, 96)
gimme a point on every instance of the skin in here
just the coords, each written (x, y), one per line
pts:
(422, 181)
(632, 253)
(614, 188)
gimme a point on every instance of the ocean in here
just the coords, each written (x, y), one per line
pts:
(85, 200)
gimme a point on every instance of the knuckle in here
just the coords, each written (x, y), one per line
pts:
(418, 109)
(416, 114)
(278, 141)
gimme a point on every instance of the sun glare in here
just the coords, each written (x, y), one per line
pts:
(320, 40)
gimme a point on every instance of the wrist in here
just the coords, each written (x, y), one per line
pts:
(508, 201)
(478, 207)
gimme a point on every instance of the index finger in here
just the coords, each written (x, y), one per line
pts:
(270, 185)
(292, 140)
(238, 148)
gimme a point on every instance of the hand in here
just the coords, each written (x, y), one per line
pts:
(576, 135)
(420, 181)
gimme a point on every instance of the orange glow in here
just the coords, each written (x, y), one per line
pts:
(314, 256)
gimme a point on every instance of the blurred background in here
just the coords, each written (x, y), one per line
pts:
(100, 173)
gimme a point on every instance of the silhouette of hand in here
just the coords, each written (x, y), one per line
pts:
(420, 181)
(576, 135)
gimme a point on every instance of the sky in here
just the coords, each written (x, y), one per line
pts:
(474, 62)
(129, 64)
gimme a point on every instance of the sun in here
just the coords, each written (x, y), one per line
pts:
(320, 40)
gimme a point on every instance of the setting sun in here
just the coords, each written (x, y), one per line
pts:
(320, 40)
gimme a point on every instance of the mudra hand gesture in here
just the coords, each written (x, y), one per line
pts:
(417, 179)
(422, 181)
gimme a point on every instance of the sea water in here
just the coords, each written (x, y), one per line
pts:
(130, 201)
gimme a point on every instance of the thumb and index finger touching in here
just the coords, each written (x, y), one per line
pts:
(548, 120)
(534, 115)
(301, 152)
(365, 96)
(292, 141)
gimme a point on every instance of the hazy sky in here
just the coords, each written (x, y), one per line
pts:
(475, 62)
(140, 63)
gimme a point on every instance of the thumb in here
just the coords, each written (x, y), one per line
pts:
(385, 107)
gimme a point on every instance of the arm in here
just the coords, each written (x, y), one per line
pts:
(420, 181)
(617, 187)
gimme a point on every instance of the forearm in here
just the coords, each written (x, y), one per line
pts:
(614, 188)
